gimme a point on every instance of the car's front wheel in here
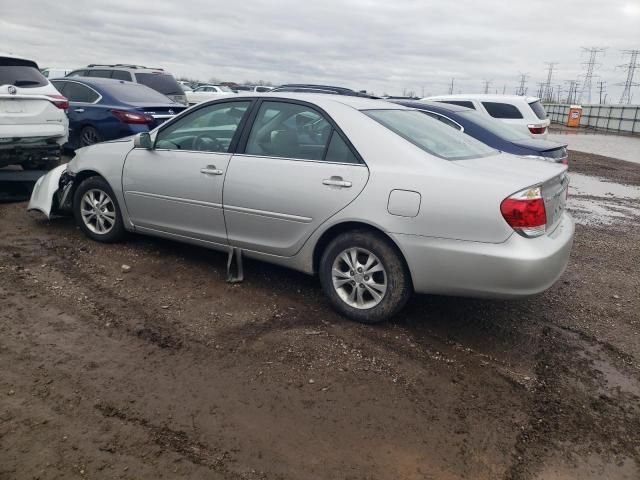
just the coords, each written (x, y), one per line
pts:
(97, 212)
(364, 276)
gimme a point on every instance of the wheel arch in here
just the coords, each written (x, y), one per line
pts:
(346, 226)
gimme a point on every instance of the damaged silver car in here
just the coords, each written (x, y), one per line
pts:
(377, 199)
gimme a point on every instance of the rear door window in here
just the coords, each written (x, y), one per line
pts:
(21, 73)
(538, 109)
(121, 75)
(289, 130)
(502, 110)
(99, 73)
(460, 103)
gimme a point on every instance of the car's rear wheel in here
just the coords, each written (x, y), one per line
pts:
(97, 212)
(364, 276)
(89, 136)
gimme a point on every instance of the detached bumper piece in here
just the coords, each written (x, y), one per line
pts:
(235, 272)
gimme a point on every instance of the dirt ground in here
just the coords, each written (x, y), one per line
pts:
(169, 372)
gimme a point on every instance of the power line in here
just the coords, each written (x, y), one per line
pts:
(585, 93)
(625, 98)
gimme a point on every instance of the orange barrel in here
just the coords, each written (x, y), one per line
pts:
(575, 114)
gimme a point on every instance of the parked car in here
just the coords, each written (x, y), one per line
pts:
(33, 124)
(155, 78)
(378, 199)
(492, 132)
(311, 88)
(51, 73)
(524, 113)
(104, 109)
(252, 88)
(208, 92)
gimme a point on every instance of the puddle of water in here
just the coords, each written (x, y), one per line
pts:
(593, 200)
(615, 146)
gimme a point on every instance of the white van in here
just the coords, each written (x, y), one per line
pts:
(525, 113)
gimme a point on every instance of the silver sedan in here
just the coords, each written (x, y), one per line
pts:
(377, 199)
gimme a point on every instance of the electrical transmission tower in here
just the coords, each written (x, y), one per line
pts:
(548, 90)
(602, 89)
(522, 88)
(631, 67)
(487, 85)
(585, 93)
(573, 91)
(451, 87)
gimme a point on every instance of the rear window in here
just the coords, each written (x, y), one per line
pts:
(431, 135)
(21, 73)
(502, 110)
(134, 93)
(538, 109)
(498, 128)
(160, 82)
(460, 103)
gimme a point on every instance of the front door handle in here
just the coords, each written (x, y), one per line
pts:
(336, 182)
(79, 110)
(211, 170)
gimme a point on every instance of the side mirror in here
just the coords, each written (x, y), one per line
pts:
(142, 140)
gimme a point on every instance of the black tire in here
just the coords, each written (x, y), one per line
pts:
(89, 136)
(398, 280)
(116, 232)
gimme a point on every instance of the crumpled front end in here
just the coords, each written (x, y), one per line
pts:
(50, 192)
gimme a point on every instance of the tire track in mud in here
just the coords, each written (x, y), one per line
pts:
(567, 417)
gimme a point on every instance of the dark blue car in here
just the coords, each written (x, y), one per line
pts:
(105, 109)
(492, 132)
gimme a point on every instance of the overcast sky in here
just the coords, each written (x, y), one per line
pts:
(378, 45)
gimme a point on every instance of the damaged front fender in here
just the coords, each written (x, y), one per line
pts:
(50, 194)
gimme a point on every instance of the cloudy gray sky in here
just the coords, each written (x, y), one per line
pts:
(378, 45)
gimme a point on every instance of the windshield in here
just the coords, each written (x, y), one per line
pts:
(431, 135)
(19, 74)
(497, 127)
(135, 93)
(224, 88)
(161, 82)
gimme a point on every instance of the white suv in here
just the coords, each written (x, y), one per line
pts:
(525, 113)
(33, 121)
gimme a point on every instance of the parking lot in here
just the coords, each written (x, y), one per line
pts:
(167, 371)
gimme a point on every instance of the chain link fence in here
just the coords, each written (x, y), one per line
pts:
(612, 118)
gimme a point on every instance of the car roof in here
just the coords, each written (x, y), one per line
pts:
(18, 57)
(444, 107)
(95, 81)
(320, 99)
(119, 66)
(482, 96)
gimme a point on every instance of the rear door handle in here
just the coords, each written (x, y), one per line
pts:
(79, 110)
(211, 170)
(336, 182)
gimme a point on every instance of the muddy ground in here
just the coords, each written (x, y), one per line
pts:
(169, 372)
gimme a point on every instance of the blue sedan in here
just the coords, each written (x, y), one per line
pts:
(492, 132)
(105, 109)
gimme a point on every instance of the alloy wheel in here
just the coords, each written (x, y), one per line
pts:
(98, 211)
(359, 278)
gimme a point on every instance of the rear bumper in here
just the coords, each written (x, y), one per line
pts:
(519, 267)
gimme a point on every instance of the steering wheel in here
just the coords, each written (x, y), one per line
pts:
(207, 143)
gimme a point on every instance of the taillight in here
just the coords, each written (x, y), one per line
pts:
(537, 129)
(59, 101)
(525, 213)
(132, 117)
